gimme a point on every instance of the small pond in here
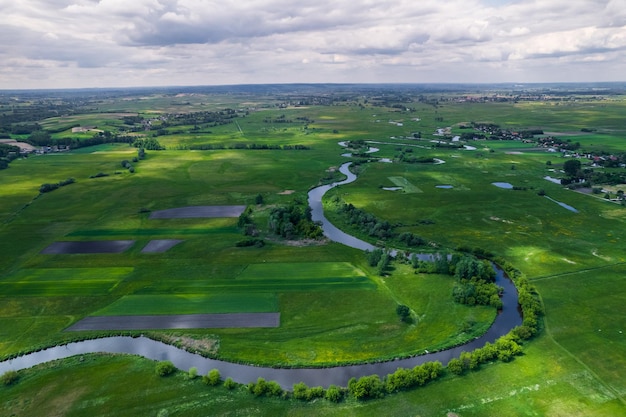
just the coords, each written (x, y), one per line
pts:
(551, 179)
(566, 206)
(503, 185)
(446, 186)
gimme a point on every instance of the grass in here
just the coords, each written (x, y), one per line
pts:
(229, 302)
(63, 281)
(407, 187)
(334, 307)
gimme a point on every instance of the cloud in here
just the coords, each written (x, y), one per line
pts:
(207, 42)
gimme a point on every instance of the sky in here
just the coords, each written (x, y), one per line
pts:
(135, 43)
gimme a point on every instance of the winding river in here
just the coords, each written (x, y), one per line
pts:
(507, 319)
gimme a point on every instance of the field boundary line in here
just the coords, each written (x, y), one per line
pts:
(580, 271)
(580, 361)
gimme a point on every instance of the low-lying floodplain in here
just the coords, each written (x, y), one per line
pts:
(172, 228)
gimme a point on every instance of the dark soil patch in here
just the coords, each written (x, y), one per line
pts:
(160, 245)
(180, 321)
(97, 246)
(198, 212)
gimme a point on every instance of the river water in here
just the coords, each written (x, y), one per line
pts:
(507, 319)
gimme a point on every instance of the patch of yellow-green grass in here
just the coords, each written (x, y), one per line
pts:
(301, 270)
(407, 187)
(225, 302)
(63, 281)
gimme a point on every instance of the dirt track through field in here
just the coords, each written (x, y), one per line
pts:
(179, 321)
(198, 212)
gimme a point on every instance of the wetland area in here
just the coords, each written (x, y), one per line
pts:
(227, 231)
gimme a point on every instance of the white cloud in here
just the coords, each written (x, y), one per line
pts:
(160, 42)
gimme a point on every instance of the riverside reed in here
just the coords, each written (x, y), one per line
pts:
(575, 260)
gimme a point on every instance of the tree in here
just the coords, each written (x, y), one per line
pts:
(40, 138)
(384, 264)
(571, 168)
(374, 256)
(404, 312)
(258, 199)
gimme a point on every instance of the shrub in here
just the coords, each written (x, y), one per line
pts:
(259, 243)
(99, 175)
(229, 383)
(67, 181)
(404, 312)
(9, 378)
(300, 391)
(273, 389)
(455, 366)
(46, 188)
(165, 368)
(333, 394)
(366, 387)
(193, 372)
(212, 378)
(259, 388)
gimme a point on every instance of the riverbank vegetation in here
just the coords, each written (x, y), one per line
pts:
(336, 306)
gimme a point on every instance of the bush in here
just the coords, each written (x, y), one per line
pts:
(404, 312)
(455, 366)
(300, 391)
(67, 181)
(259, 388)
(373, 257)
(366, 387)
(334, 394)
(273, 389)
(9, 378)
(229, 383)
(259, 243)
(165, 368)
(193, 373)
(99, 175)
(212, 378)
(46, 188)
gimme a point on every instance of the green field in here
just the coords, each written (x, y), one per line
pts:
(230, 302)
(63, 281)
(335, 308)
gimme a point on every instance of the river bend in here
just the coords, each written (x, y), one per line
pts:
(506, 320)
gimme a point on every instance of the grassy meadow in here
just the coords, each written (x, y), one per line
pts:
(334, 307)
